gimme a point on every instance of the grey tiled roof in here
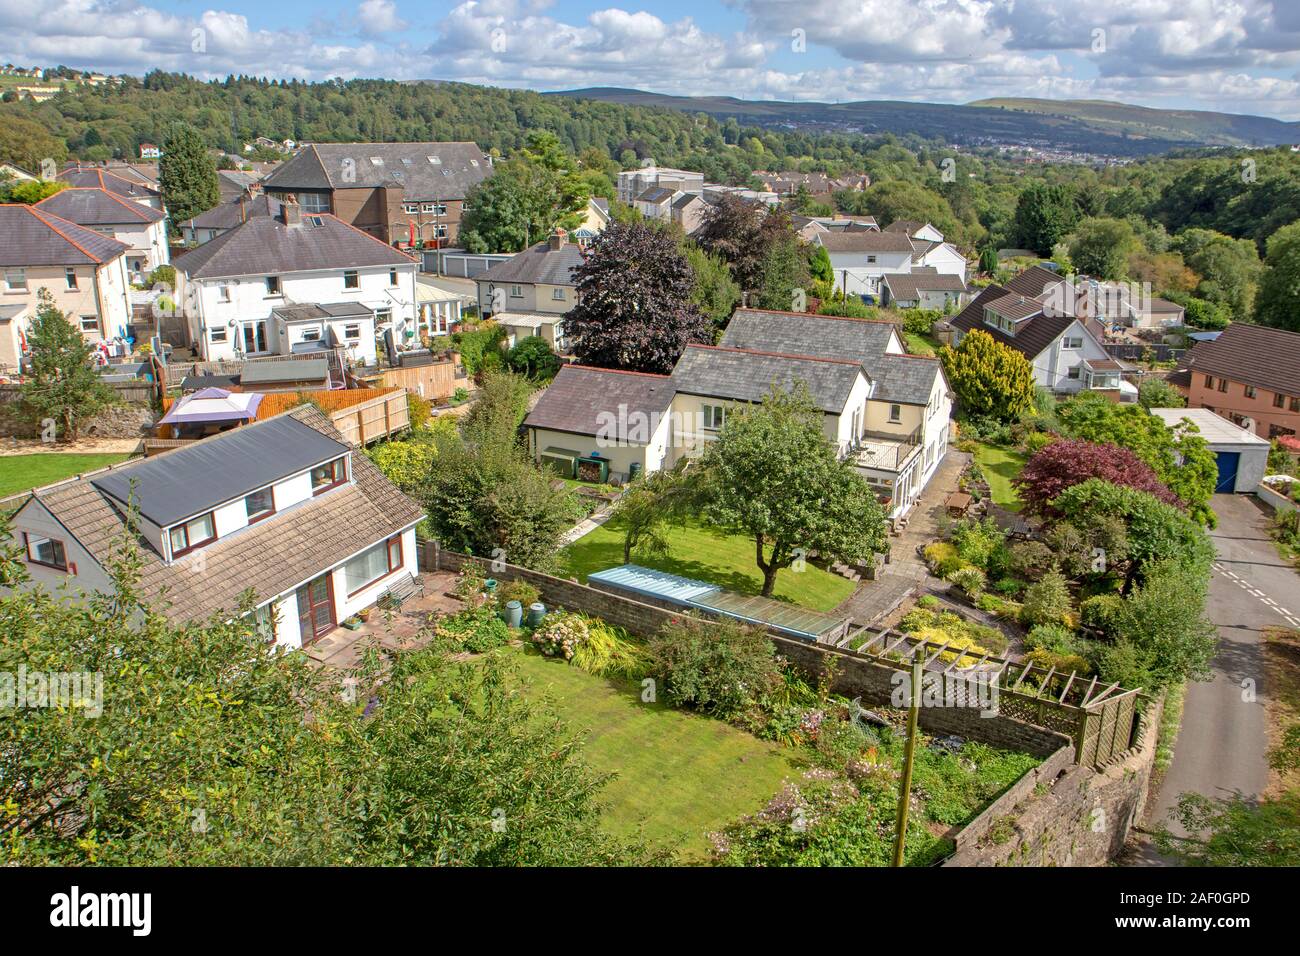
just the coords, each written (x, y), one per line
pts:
(907, 287)
(798, 333)
(905, 226)
(908, 379)
(266, 246)
(230, 214)
(747, 376)
(34, 237)
(575, 401)
(865, 242)
(88, 206)
(96, 178)
(538, 263)
(272, 556)
(459, 167)
(655, 194)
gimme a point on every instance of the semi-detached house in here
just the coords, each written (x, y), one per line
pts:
(141, 227)
(284, 508)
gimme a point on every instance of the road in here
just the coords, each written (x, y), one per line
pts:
(1223, 741)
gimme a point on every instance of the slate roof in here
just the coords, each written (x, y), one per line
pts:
(907, 287)
(908, 379)
(271, 556)
(1252, 355)
(325, 166)
(748, 376)
(34, 237)
(96, 178)
(228, 215)
(655, 195)
(867, 241)
(266, 246)
(582, 399)
(539, 263)
(798, 333)
(1030, 339)
(88, 206)
(1033, 281)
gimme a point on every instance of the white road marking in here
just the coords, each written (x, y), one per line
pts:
(1257, 593)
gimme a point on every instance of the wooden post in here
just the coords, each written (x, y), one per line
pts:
(905, 792)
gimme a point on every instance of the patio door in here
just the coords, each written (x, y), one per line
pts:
(316, 609)
(254, 337)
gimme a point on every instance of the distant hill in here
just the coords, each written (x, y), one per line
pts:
(1090, 126)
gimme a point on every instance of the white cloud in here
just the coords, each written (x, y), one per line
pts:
(379, 16)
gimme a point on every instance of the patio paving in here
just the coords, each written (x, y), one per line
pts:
(404, 629)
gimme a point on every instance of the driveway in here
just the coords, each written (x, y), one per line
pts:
(1223, 741)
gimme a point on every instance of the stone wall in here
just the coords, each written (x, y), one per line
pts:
(133, 417)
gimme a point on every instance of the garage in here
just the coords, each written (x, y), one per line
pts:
(1241, 455)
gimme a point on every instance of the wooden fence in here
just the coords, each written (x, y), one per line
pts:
(363, 415)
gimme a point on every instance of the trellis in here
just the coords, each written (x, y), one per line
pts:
(1098, 718)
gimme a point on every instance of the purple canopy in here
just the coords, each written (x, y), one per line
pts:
(213, 405)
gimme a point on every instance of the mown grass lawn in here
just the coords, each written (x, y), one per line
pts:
(679, 777)
(918, 344)
(727, 561)
(1000, 465)
(21, 472)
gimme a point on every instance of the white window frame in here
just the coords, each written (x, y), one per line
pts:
(20, 285)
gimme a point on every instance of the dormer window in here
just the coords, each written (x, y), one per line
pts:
(192, 534)
(260, 504)
(327, 476)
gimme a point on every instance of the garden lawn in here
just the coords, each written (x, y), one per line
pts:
(22, 472)
(918, 344)
(1000, 465)
(679, 777)
(724, 560)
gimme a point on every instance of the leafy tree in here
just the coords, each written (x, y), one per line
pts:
(712, 290)
(821, 272)
(785, 270)
(62, 383)
(723, 668)
(1229, 269)
(1046, 601)
(1180, 457)
(743, 234)
(1160, 630)
(635, 309)
(1101, 247)
(1157, 393)
(187, 175)
(1235, 831)
(27, 143)
(33, 191)
(1279, 284)
(211, 748)
(989, 378)
(773, 476)
(532, 356)
(648, 507)
(1045, 214)
(1068, 462)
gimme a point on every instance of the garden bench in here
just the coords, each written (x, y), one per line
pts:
(397, 593)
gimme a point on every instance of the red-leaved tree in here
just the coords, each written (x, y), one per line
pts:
(1066, 463)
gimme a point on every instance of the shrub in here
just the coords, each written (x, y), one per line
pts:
(720, 667)
(981, 543)
(1008, 587)
(404, 462)
(417, 411)
(1036, 441)
(1050, 637)
(943, 559)
(1101, 612)
(1032, 559)
(1046, 601)
(609, 652)
(927, 601)
(971, 581)
(476, 629)
(560, 634)
(517, 590)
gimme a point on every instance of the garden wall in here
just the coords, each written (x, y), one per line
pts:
(1277, 500)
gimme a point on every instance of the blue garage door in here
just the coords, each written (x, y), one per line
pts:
(1228, 461)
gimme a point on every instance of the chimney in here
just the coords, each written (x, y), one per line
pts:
(557, 239)
(290, 212)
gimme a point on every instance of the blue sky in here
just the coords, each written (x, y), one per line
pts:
(1233, 55)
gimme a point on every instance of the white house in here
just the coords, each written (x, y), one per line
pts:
(283, 507)
(232, 285)
(142, 228)
(633, 182)
(862, 259)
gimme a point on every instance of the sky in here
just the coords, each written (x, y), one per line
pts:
(1240, 56)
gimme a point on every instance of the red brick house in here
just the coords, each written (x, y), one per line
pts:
(1249, 372)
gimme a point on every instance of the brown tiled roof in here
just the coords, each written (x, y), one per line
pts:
(1031, 338)
(906, 226)
(1252, 355)
(871, 241)
(1015, 307)
(1032, 281)
(580, 398)
(270, 557)
(908, 286)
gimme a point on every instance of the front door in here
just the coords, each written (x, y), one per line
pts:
(316, 609)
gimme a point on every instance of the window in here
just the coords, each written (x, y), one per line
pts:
(1073, 372)
(223, 292)
(273, 285)
(377, 160)
(1295, 405)
(352, 332)
(557, 294)
(871, 259)
(260, 504)
(327, 476)
(410, 208)
(46, 552)
(895, 413)
(1209, 381)
(192, 534)
(89, 323)
(218, 334)
(516, 292)
(440, 231)
(1072, 342)
(1250, 391)
(70, 276)
(314, 202)
(1279, 400)
(15, 280)
(383, 315)
(1223, 384)
(714, 417)
(350, 280)
(427, 207)
(311, 334)
(371, 565)
(392, 277)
